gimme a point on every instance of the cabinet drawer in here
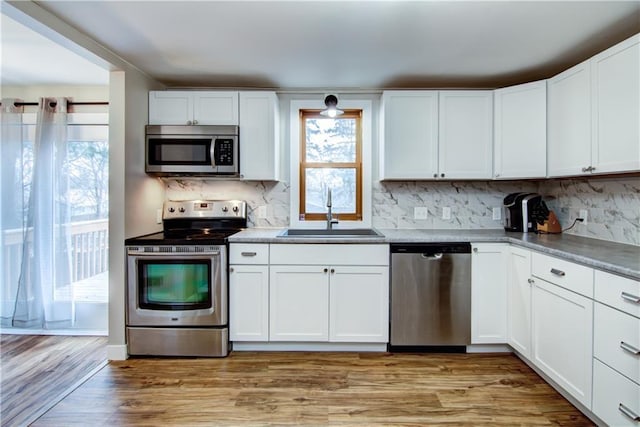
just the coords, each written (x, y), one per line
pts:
(248, 253)
(616, 399)
(618, 292)
(574, 277)
(330, 254)
(617, 340)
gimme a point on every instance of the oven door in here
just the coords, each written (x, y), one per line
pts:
(170, 287)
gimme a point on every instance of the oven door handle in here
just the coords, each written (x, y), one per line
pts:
(173, 254)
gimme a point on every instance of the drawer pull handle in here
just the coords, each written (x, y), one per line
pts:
(630, 297)
(628, 347)
(248, 253)
(628, 413)
(531, 281)
(558, 272)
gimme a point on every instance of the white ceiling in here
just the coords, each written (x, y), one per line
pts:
(351, 44)
(29, 58)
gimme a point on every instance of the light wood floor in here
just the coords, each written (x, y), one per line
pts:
(316, 389)
(36, 369)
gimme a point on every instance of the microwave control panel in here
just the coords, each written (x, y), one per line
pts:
(223, 152)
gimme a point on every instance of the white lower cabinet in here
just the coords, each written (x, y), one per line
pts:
(249, 303)
(616, 399)
(299, 303)
(519, 301)
(489, 293)
(329, 293)
(248, 292)
(562, 325)
(359, 304)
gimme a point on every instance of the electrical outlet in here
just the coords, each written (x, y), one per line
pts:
(420, 212)
(497, 214)
(584, 214)
(261, 212)
(446, 212)
(159, 216)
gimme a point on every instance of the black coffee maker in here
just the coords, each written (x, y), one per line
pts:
(522, 211)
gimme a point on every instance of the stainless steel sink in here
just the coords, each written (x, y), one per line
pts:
(321, 233)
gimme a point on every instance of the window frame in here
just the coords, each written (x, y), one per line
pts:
(364, 103)
(356, 165)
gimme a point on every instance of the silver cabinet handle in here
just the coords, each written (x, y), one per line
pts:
(475, 250)
(231, 270)
(324, 270)
(248, 253)
(558, 272)
(189, 122)
(630, 297)
(333, 270)
(628, 413)
(631, 349)
(195, 122)
(585, 169)
(531, 281)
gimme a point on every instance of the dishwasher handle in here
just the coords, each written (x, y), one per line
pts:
(432, 257)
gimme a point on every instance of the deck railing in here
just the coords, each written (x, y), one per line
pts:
(89, 251)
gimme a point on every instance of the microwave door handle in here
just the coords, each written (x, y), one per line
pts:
(212, 152)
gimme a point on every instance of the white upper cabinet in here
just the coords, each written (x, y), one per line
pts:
(520, 123)
(615, 87)
(436, 135)
(409, 132)
(569, 132)
(259, 136)
(465, 149)
(594, 114)
(193, 107)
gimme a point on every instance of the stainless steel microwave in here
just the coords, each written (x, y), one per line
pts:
(192, 150)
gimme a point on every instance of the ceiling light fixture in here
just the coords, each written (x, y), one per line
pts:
(331, 101)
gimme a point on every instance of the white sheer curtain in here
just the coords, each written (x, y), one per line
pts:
(43, 297)
(11, 204)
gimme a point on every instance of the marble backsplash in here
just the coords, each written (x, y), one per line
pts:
(613, 204)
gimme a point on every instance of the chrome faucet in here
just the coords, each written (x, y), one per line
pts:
(330, 219)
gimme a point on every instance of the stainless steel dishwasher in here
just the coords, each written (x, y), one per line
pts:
(430, 296)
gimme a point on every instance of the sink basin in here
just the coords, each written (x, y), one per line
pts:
(321, 233)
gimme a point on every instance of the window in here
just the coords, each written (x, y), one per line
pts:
(330, 159)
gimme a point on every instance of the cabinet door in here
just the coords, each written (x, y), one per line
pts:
(215, 108)
(489, 294)
(170, 107)
(520, 140)
(259, 154)
(519, 301)
(562, 333)
(569, 121)
(409, 130)
(616, 108)
(299, 303)
(359, 304)
(249, 303)
(465, 148)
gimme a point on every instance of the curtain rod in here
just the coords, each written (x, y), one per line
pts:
(53, 104)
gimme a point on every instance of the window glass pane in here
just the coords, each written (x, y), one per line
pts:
(330, 140)
(88, 163)
(341, 181)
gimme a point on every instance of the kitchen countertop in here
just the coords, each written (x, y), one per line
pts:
(610, 256)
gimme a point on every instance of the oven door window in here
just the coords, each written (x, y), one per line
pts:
(175, 284)
(180, 151)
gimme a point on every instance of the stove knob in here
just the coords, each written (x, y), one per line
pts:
(172, 210)
(235, 209)
(225, 209)
(181, 210)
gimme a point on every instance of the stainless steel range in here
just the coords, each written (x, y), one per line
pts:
(177, 284)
